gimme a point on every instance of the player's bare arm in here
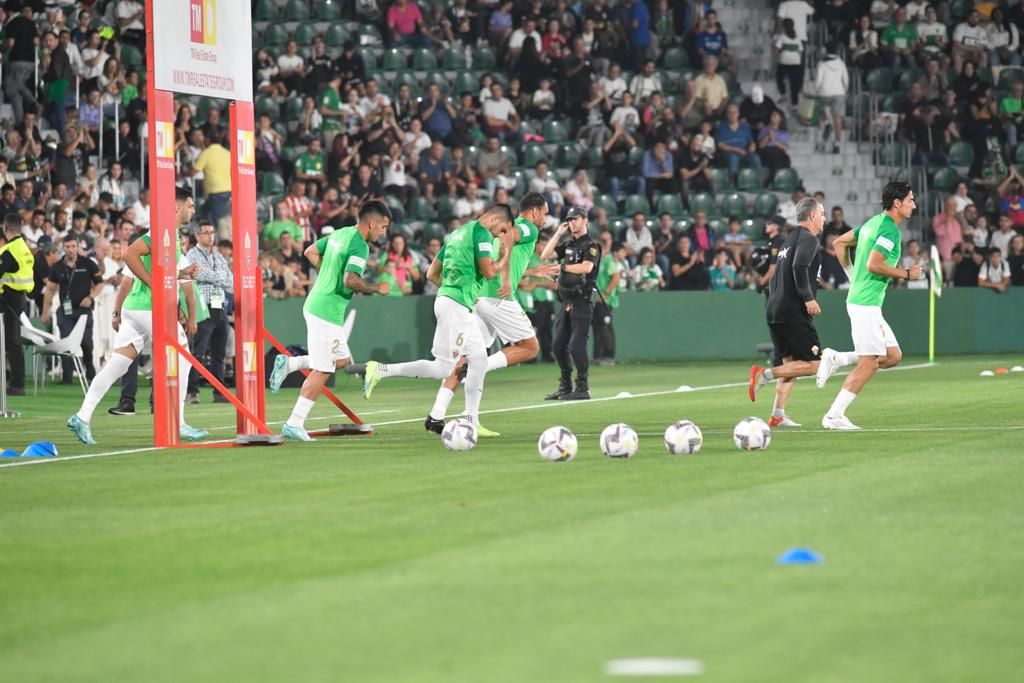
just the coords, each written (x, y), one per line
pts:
(842, 244)
(358, 284)
(133, 259)
(191, 326)
(878, 266)
(122, 294)
(549, 249)
(312, 255)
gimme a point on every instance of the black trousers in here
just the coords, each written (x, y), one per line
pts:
(212, 338)
(570, 344)
(604, 333)
(543, 319)
(66, 323)
(12, 303)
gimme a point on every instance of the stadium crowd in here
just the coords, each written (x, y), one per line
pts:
(628, 109)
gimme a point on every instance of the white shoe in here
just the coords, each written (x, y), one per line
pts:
(826, 368)
(784, 421)
(841, 423)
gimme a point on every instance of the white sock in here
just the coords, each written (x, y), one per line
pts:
(768, 375)
(846, 358)
(101, 383)
(417, 369)
(842, 402)
(300, 412)
(184, 368)
(496, 361)
(474, 387)
(298, 363)
(441, 403)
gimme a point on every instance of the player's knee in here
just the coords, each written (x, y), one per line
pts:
(530, 347)
(342, 362)
(868, 362)
(893, 356)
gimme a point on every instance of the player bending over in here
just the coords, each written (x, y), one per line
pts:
(878, 243)
(135, 328)
(340, 259)
(460, 269)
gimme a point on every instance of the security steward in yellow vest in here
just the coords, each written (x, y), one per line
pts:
(16, 283)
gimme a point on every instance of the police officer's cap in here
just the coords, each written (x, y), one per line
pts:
(575, 212)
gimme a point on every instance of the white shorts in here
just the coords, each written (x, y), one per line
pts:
(503, 319)
(137, 330)
(457, 332)
(325, 342)
(871, 334)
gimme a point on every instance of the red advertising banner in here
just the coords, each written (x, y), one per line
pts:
(248, 278)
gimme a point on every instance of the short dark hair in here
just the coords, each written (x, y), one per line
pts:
(182, 194)
(531, 201)
(618, 245)
(897, 189)
(225, 244)
(12, 222)
(504, 210)
(203, 222)
(374, 207)
(69, 238)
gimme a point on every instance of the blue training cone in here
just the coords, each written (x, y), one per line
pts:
(40, 449)
(799, 556)
(8, 453)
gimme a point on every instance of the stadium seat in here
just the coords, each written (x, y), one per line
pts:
(454, 59)
(533, 154)
(907, 78)
(880, 80)
(132, 56)
(945, 179)
(276, 35)
(424, 60)
(438, 78)
(672, 203)
(267, 105)
(734, 205)
(960, 9)
(637, 202)
(296, 10)
(606, 202)
(893, 154)
(329, 10)
(484, 59)
(1008, 76)
(421, 210)
(766, 205)
(555, 131)
(786, 180)
(467, 81)
(293, 110)
(304, 34)
(754, 229)
(636, 155)
(750, 180)
(293, 152)
(272, 184)
(721, 179)
(445, 208)
(432, 230)
(265, 10)
(369, 58)
(405, 77)
(336, 36)
(892, 103)
(676, 59)
(394, 60)
(702, 201)
(567, 156)
(961, 154)
(1018, 157)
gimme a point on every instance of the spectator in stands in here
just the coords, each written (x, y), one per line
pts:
(626, 115)
(406, 272)
(899, 43)
(948, 229)
(756, 109)
(647, 275)
(711, 89)
(686, 267)
(787, 209)
(500, 117)
(291, 67)
(436, 113)
(1003, 40)
(712, 41)
(349, 64)
(311, 165)
(837, 226)
(915, 257)
(493, 167)
(933, 81)
(518, 38)
(499, 25)
(579, 192)
(613, 85)
(799, 12)
(545, 182)
(1001, 238)
(930, 134)
(969, 40)
(832, 274)
(1011, 203)
(405, 25)
(967, 262)
(737, 243)
(932, 37)
(1011, 113)
(773, 145)
(215, 164)
(831, 85)
(659, 170)
(995, 272)
(283, 223)
(702, 236)
(269, 144)
(621, 173)
(639, 31)
(789, 61)
(646, 83)
(864, 45)
(722, 274)
(301, 209)
(735, 142)
(396, 181)
(266, 73)
(1015, 259)
(638, 237)
(578, 75)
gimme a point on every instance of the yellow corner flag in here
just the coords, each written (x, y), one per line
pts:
(934, 290)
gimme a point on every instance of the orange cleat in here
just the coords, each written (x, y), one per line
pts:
(757, 381)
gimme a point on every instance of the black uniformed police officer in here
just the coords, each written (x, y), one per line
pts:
(579, 256)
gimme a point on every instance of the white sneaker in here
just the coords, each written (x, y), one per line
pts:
(841, 423)
(784, 421)
(826, 368)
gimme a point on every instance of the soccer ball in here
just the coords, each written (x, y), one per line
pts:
(752, 434)
(619, 441)
(557, 444)
(459, 435)
(683, 438)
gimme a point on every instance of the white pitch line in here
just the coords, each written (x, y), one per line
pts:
(535, 406)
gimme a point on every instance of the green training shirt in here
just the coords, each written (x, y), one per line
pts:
(461, 280)
(881, 234)
(141, 296)
(609, 266)
(343, 251)
(519, 259)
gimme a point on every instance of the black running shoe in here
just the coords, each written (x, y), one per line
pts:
(578, 395)
(355, 369)
(123, 408)
(432, 425)
(557, 395)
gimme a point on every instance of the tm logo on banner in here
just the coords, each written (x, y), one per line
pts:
(203, 21)
(165, 139)
(246, 148)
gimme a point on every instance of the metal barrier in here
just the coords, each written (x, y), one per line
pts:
(4, 412)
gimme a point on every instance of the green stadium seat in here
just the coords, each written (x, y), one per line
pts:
(329, 10)
(267, 105)
(555, 131)
(296, 10)
(750, 180)
(293, 152)
(424, 60)
(636, 155)
(132, 56)
(445, 208)
(734, 205)
(1008, 76)
(765, 205)
(676, 59)
(394, 60)
(567, 156)
(637, 202)
(484, 59)
(293, 110)
(786, 180)
(907, 78)
(336, 36)
(276, 35)
(892, 154)
(945, 179)
(533, 154)
(961, 154)
(454, 59)
(960, 9)
(438, 78)
(606, 202)
(702, 201)
(422, 210)
(404, 77)
(434, 230)
(369, 58)
(721, 179)
(272, 184)
(304, 34)
(1018, 157)
(204, 106)
(892, 103)
(265, 10)
(753, 229)
(672, 203)
(880, 80)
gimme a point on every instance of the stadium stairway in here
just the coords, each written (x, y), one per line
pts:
(849, 178)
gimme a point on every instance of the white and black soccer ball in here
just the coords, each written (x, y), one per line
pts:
(752, 434)
(619, 441)
(557, 444)
(459, 435)
(683, 438)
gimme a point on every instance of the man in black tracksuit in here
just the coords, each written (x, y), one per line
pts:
(579, 256)
(790, 311)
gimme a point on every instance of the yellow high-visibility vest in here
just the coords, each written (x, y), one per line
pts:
(22, 279)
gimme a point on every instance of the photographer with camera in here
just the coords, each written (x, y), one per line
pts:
(579, 257)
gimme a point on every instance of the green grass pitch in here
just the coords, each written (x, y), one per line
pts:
(386, 558)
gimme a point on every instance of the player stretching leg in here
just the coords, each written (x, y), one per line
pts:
(878, 244)
(790, 311)
(460, 269)
(135, 328)
(340, 259)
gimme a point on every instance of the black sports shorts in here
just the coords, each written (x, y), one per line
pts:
(798, 341)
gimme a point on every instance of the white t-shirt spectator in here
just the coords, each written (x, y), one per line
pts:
(288, 62)
(916, 10)
(790, 49)
(614, 89)
(368, 107)
(1001, 241)
(627, 116)
(96, 69)
(799, 11)
(970, 36)
(141, 214)
(416, 143)
(962, 202)
(636, 241)
(519, 36)
(910, 261)
(994, 275)
(394, 173)
(642, 86)
(465, 207)
(501, 110)
(129, 8)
